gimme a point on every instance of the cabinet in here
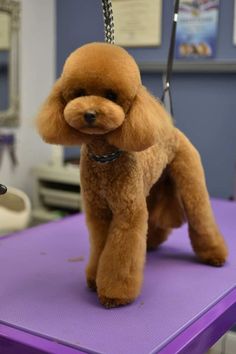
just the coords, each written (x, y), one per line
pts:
(56, 192)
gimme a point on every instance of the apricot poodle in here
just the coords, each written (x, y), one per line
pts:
(140, 175)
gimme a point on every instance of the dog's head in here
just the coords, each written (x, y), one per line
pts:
(100, 93)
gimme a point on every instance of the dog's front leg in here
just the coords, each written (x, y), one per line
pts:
(120, 270)
(98, 221)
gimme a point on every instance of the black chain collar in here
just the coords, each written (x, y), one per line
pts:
(106, 158)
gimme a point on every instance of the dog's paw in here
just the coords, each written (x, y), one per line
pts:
(216, 260)
(92, 284)
(111, 303)
(209, 247)
(215, 256)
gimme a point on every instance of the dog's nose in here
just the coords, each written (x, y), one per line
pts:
(90, 116)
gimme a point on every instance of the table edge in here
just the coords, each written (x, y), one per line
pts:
(10, 335)
(210, 322)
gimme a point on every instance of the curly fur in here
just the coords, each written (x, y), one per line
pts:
(156, 184)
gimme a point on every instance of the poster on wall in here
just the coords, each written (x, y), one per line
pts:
(137, 22)
(197, 29)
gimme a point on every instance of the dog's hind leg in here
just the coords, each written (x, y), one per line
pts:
(187, 172)
(165, 211)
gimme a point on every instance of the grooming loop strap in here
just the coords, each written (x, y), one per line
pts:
(171, 58)
(108, 21)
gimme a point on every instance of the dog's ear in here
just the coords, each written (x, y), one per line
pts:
(146, 123)
(51, 123)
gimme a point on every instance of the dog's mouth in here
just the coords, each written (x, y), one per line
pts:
(91, 130)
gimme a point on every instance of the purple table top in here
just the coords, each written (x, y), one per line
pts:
(43, 290)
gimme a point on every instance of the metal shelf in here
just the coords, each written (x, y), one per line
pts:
(52, 197)
(226, 66)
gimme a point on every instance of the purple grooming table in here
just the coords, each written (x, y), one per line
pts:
(45, 306)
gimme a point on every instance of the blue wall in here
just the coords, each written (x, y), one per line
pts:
(4, 80)
(204, 104)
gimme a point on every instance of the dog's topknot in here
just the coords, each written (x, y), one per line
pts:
(108, 55)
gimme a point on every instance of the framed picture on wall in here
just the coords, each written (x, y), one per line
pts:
(197, 29)
(5, 20)
(137, 22)
(234, 35)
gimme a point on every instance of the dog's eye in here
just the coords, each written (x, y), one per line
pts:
(79, 93)
(71, 95)
(111, 95)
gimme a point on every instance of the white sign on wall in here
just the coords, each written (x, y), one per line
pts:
(197, 29)
(4, 31)
(137, 22)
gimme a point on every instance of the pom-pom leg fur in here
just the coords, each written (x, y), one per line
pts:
(120, 270)
(117, 255)
(99, 223)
